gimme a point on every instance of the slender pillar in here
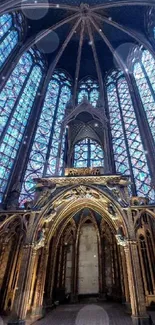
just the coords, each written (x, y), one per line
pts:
(108, 139)
(125, 281)
(37, 308)
(24, 283)
(74, 297)
(138, 306)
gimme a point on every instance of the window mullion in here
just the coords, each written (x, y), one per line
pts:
(23, 154)
(148, 81)
(33, 123)
(6, 34)
(134, 192)
(89, 154)
(144, 129)
(15, 105)
(51, 135)
(110, 151)
(59, 150)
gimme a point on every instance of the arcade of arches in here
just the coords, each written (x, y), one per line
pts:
(83, 238)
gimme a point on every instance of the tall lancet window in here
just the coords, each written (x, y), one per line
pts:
(16, 102)
(46, 155)
(11, 32)
(129, 153)
(88, 153)
(144, 73)
(88, 88)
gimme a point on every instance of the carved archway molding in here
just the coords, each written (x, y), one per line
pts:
(66, 208)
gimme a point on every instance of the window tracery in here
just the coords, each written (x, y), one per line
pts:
(88, 88)
(88, 153)
(16, 102)
(10, 34)
(144, 74)
(129, 153)
(46, 154)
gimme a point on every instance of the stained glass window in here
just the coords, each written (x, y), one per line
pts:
(144, 73)
(10, 33)
(16, 101)
(88, 153)
(129, 153)
(88, 88)
(46, 156)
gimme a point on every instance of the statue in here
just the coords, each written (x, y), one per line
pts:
(111, 210)
(50, 215)
(40, 242)
(43, 193)
(120, 237)
(13, 197)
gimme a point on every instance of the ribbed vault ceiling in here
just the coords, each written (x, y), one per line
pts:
(92, 36)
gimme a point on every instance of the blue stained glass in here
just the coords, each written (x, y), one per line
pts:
(9, 35)
(12, 88)
(121, 113)
(38, 153)
(136, 149)
(90, 89)
(82, 94)
(57, 136)
(5, 24)
(147, 65)
(119, 146)
(48, 140)
(7, 45)
(88, 153)
(17, 98)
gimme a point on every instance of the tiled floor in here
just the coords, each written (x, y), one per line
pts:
(92, 314)
(86, 314)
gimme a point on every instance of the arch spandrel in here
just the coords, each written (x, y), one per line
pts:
(73, 198)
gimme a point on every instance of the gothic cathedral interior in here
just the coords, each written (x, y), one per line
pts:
(77, 157)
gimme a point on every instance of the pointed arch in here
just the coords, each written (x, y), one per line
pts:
(11, 33)
(88, 88)
(46, 154)
(17, 99)
(129, 153)
(88, 153)
(144, 74)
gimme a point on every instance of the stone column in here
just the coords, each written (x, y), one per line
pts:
(138, 306)
(37, 308)
(74, 295)
(24, 283)
(125, 280)
(100, 257)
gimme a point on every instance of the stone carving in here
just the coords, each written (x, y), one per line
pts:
(112, 210)
(43, 193)
(77, 193)
(40, 242)
(28, 205)
(12, 201)
(50, 215)
(118, 192)
(84, 171)
(120, 237)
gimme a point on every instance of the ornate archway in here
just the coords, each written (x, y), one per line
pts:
(49, 268)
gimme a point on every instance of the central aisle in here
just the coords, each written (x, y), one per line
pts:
(92, 314)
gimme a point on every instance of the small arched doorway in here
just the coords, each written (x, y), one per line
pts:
(84, 260)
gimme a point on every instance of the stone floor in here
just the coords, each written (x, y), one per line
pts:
(86, 314)
(92, 314)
